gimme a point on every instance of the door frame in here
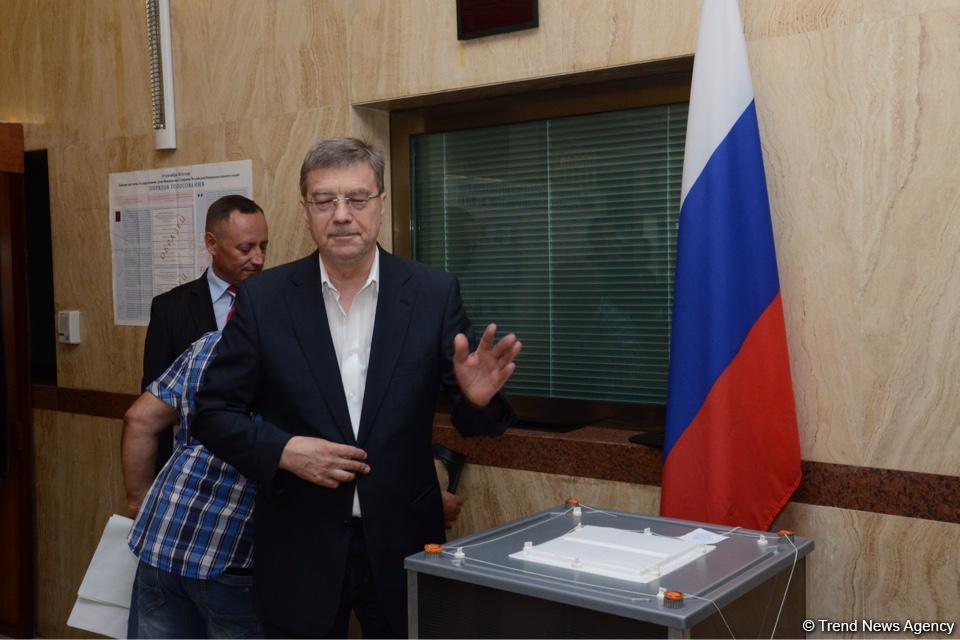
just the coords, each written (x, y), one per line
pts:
(17, 547)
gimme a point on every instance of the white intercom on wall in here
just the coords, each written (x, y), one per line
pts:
(68, 327)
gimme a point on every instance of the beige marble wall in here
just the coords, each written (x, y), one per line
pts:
(868, 566)
(77, 459)
(856, 102)
(865, 199)
(911, 283)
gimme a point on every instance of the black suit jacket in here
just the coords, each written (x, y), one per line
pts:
(276, 357)
(177, 318)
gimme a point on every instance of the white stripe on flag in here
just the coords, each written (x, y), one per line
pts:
(720, 89)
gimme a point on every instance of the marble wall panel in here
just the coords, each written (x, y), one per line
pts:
(75, 71)
(78, 178)
(913, 569)
(233, 60)
(877, 567)
(243, 59)
(79, 485)
(764, 19)
(612, 32)
(21, 56)
(809, 95)
(108, 357)
(883, 9)
(835, 567)
(96, 75)
(131, 56)
(410, 48)
(911, 273)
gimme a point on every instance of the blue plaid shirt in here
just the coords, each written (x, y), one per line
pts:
(196, 518)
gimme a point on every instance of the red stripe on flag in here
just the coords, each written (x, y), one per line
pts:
(738, 462)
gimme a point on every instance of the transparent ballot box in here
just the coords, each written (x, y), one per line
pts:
(582, 572)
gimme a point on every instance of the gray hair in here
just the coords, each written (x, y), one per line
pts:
(341, 152)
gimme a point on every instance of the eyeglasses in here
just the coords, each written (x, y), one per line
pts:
(326, 204)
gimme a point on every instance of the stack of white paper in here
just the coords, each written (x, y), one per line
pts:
(103, 600)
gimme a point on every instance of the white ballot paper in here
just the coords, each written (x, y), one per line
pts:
(702, 536)
(103, 600)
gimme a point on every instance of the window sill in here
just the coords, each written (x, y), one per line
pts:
(597, 452)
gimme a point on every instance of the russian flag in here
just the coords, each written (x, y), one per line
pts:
(732, 453)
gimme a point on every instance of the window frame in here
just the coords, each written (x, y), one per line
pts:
(661, 86)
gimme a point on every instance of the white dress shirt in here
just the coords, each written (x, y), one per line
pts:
(352, 334)
(222, 299)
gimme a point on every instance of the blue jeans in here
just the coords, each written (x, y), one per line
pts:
(165, 605)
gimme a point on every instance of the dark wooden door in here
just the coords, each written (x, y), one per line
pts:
(17, 555)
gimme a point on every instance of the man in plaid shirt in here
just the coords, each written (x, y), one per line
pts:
(192, 532)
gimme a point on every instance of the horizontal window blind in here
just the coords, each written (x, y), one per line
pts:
(564, 232)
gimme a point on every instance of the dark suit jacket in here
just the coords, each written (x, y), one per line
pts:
(276, 357)
(177, 319)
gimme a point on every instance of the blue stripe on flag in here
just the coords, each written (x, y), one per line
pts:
(726, 270)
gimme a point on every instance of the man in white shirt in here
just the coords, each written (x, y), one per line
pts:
(344, 353)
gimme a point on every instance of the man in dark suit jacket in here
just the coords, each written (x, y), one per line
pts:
(343, 354)
(236, 238)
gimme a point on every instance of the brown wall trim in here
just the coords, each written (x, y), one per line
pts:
(629, 74)
(18, 577)
(11, 148)
(87, 402)
(889, 491)
(606, 454)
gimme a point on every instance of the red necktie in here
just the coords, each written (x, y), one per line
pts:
(232, 290)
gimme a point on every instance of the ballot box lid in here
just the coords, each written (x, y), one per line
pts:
(631, 562)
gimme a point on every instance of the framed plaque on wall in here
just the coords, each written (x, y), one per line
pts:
(478, 18)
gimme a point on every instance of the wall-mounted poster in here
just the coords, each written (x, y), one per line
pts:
(156, 222)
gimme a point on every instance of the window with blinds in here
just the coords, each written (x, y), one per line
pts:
(563, 231)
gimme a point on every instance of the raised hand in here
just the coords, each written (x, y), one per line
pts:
(483, 373)
(322, 462)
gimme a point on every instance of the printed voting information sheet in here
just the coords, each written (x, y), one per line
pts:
(157, 218)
